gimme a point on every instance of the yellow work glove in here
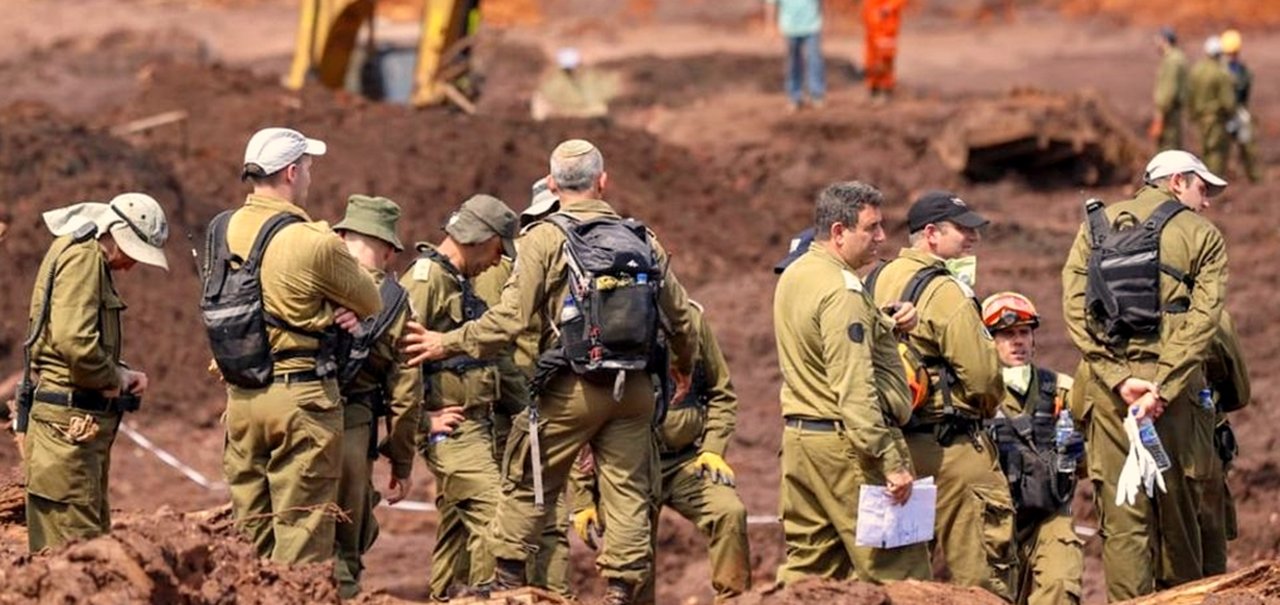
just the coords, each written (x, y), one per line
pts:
(713, 468)
(586, 523)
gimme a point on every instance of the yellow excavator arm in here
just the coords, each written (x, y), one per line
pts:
(327, 38)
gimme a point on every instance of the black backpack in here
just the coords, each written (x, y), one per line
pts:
(1028, 454)
(614, 280)
(353, 350)
(1122, 292)
(232, 309)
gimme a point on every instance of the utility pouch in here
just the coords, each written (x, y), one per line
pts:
(23, 398)
(1224, 440)
(128, 402)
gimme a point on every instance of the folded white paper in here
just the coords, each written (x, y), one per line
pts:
(883, 524)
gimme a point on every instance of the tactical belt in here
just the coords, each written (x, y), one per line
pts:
(300, 376)
(814, 424)
(90, 401)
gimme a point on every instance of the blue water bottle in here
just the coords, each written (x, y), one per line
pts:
(437, 438)
(1151, 440)
(1206, 398)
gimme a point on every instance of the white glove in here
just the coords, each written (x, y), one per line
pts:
(1131, 474)
(1139, 468)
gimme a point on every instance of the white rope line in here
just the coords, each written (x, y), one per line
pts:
(208, 484)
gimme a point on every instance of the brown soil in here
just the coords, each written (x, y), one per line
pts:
(699, 149)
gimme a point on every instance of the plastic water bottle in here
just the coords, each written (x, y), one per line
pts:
(569, 311)
(1151, 440)
(437, 438)
(1063, 431)
(642, 278)
(1206, 398)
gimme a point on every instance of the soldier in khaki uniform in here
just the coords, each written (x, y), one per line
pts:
(696, 480)
(463, 461)
(1170, 92)
(1228, 378)
(1050, 554)
(1211, 98)
(1156, 542)
(283, 454)
(71, 414)
(615, 419)
(383, 388)
(945, 434)
(844, 398)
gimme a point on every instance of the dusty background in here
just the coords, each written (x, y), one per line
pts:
(699, 148)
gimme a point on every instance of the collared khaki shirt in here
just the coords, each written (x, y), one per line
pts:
(535, 293)
(306, 274)
(436, 297)
(839, 357)
(950, 327)
(401, 385)
(1191, 244)
(80, 345)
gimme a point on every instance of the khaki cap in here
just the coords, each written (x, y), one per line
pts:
(482, 217)
(375, 217)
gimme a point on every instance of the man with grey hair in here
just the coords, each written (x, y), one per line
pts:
(580, 401)
(844, 398)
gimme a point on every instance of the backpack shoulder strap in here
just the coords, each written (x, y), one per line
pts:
(869, 284)
(1048, 389)
(394, 298)
(432, 254)
(268, 232)
(1156, 224)
(920, 281)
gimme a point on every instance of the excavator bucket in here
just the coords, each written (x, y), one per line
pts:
(327, 32)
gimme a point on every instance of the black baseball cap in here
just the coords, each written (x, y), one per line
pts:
(938, 206)
(798, 246)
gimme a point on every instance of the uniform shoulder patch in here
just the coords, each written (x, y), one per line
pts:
(851, 281)
(856, 332)
(422, 269)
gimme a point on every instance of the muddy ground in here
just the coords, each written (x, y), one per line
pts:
(699, 148)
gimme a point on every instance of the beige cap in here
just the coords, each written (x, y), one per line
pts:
(482, 217)
(271, 150)
(543, 201)
(141, 228)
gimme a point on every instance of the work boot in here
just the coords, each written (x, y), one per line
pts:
(618, 592)
(508, 574)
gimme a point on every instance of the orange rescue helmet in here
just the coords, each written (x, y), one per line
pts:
(1004, 310)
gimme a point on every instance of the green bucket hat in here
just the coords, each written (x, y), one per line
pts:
(482, 217)
(372, 216)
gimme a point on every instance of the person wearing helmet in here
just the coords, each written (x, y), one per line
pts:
(1170, 92)
(1211, 98)
(71, 412)
(1242, 127)
(1050, 554)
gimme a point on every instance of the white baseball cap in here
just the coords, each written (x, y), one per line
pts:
(140, 228)
(1175, 161)
(271, 150)
(1213, 46)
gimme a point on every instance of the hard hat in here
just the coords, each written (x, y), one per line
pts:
(1231, 41)
(1004, 310)
(1213, 46)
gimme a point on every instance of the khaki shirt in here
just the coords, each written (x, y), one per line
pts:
(713, 422)
(950, 327)
(839, 357)
(402, 386)
(1225, 369)
(1190, 243)
(436, 297)
(1171, 82)
(79, 347)
(537, 288)
(306, 273)
(1211, 93)
(515, 369)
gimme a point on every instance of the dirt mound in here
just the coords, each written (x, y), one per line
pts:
(861, 593)
(162, 557)
(1196, 14)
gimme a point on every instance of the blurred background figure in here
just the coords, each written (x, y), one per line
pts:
(1170, 92)
(882, 19)
(569, 90)
(1242, 127)
(800, 23)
